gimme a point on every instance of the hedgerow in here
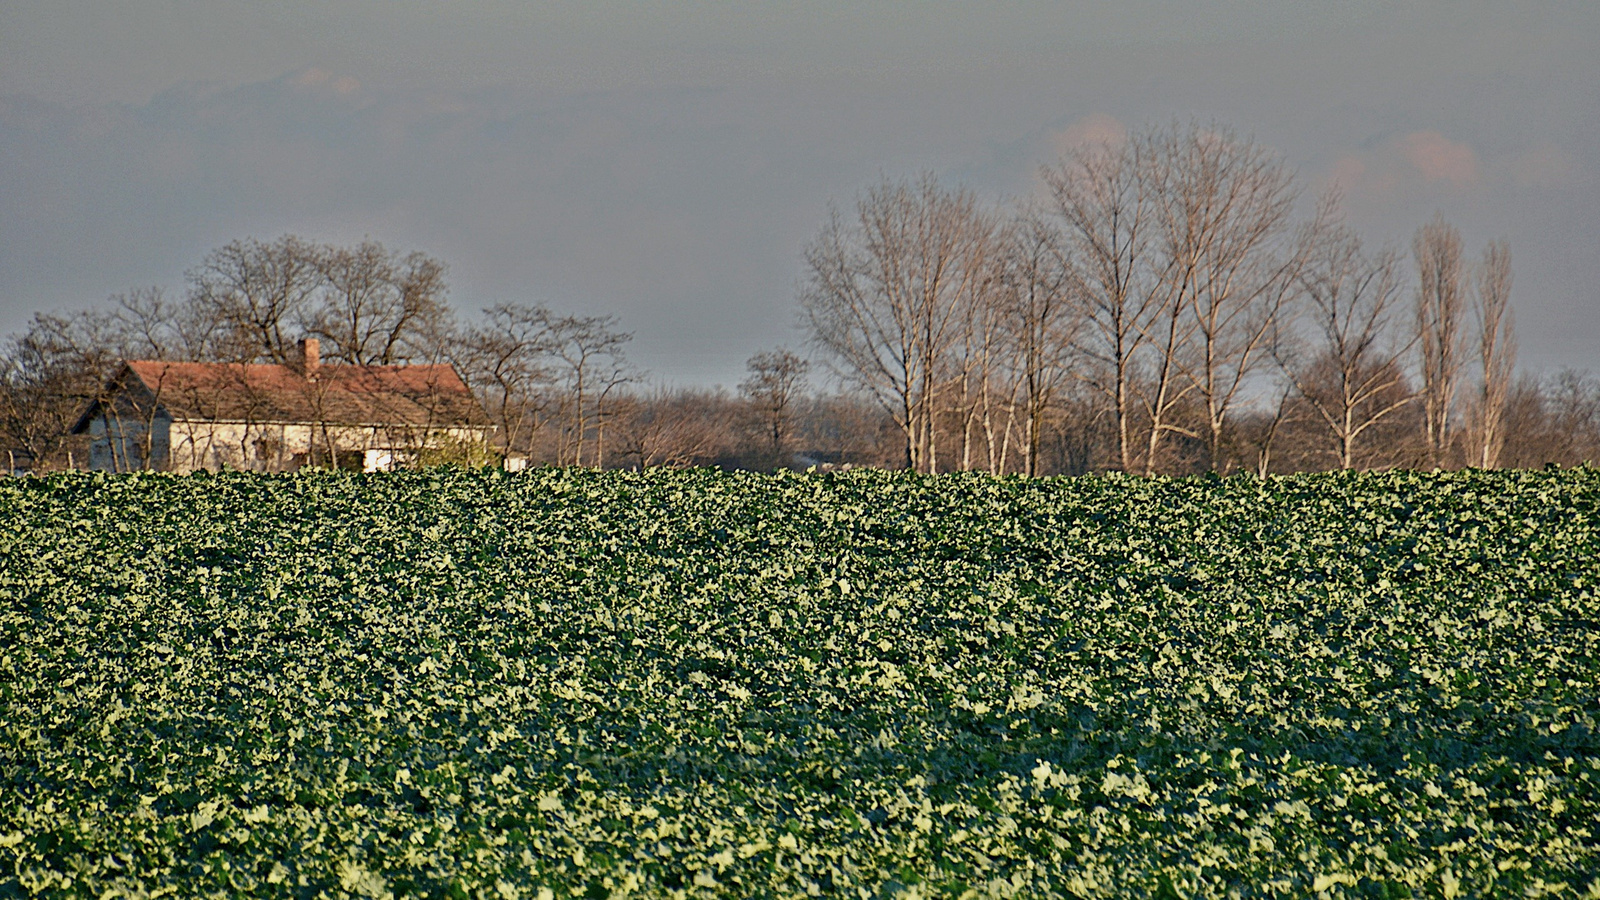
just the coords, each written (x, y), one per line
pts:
(570, 683)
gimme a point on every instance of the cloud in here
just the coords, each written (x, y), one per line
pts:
(1095, 128)
(319, 82)
(1415, 165)
(1437, 158)
(317, 78)
(310, 78)
(1426, 165)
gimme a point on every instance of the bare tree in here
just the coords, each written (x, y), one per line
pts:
(1441, 310)
(886, 295)
(1040, 321)
(59, 366)
(1571, 401)
(1261, 427)
(50, 372)
(376, 308)
(1170, 329)
(260, 292)
(846, 429)
(533, 368)
(1104, 199)
(1231, 257)
(977, 395)
(664, 427)
(504, 360)
(1552, 421)
(1351, 376)
(1078, 437)
(777, 379)
(148, 325)
(588, 355)
(1497, 352)
(147, 322)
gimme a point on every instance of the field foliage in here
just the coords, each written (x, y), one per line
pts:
(571, 683)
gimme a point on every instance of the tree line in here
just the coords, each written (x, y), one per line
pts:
(559, 389)
(1163, 306)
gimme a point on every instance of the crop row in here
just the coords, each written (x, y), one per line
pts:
(572, 683)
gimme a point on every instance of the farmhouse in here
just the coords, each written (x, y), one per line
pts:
(184, 416)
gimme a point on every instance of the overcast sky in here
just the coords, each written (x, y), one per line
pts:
(666, 162)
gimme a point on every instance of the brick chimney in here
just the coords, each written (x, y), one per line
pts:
(310, 356)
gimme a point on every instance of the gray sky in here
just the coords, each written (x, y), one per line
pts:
(667, 162)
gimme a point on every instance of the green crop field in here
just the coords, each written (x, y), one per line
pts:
(597, 684)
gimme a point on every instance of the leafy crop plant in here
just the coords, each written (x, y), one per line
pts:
(572, 683)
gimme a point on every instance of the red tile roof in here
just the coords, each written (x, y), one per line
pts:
(414, 396)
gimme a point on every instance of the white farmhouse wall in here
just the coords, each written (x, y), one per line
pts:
(273, 447)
